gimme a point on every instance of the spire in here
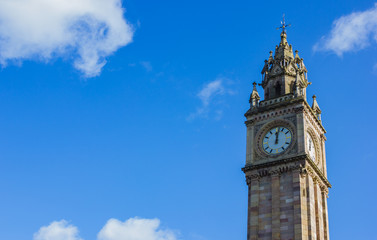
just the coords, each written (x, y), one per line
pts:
(284, 71)
(283, 50)
(283, 39)
(254, 97)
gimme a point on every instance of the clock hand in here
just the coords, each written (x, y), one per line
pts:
(277, 136)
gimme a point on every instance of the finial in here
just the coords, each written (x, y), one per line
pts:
(254, 97)
(316, 108)
(270, 57)
(255, 85)
(297, 56)
(283, 25)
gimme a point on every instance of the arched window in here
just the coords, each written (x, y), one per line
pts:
(293, 87)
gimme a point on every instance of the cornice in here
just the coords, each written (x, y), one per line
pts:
(318, 171)
(267, 108)
(299, 100)
(263, 168)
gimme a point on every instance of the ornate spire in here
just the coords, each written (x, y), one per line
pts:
(316, 108)
(254, 97)
(284, 72)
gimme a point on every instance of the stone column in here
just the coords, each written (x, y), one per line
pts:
(275, 178)
(323, 151)
(265, 209)
(253, 209)
(300, 130)
(325, 213)
(312, 232)
(249, 143)
(298, 202)
(318, 208)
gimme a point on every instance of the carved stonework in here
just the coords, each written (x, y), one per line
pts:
(257, 128)
(300, 109)
(292, 119)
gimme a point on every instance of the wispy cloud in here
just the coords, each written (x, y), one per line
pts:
(146, 65)
(350, 33)
(207, 95)
(132, 229)
(86, 31)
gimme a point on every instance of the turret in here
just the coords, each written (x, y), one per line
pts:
(316, 108)
(254, 97)
(285, 72)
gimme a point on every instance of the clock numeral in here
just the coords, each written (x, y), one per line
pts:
(271, 151)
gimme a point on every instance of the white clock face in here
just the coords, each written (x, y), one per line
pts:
(277, 140)
(310, 146)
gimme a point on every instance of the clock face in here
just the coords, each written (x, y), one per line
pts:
(277, 140)
(310, 145)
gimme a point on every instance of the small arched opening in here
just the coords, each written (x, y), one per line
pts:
(277, 89)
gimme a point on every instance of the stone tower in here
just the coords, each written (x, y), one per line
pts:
(285, 156)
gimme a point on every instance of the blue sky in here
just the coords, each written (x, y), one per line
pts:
(133, 120)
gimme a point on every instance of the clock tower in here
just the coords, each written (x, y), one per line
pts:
(285, 155)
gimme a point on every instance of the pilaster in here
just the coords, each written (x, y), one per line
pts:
(249, 143)
(265, 209)
(275, 178)
(253, 205)
(312, 231)
(298, 201)
(325, 213)
(300, 130)
(323, 151)
(318, 209)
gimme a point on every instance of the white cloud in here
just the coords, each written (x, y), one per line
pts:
(351, 32)
(57, 231)
(86, 31)
(132, 229)
(135, 229)
(207, 95)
